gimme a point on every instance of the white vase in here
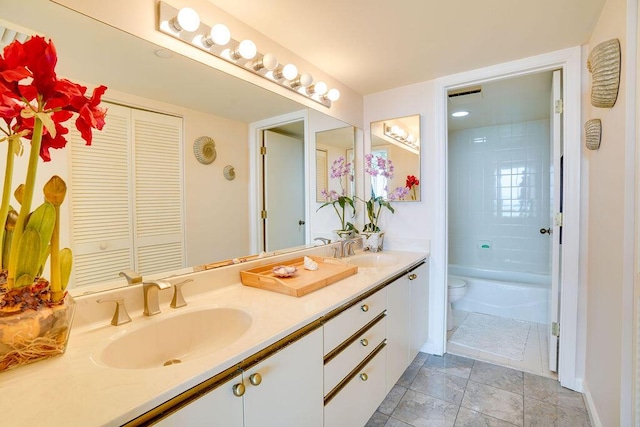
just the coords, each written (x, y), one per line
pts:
(372, 241)
(343, 234)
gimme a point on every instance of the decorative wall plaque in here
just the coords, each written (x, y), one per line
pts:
(593, 133)
(604, 65)
(204, 148)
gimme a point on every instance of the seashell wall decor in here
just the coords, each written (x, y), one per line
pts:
(593, 133)
(229, 173)
(204, 148)
(604, 65)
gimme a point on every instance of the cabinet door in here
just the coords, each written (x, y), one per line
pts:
(419, 304)
(290, 390)
(358, 400)
(398, 334)
(217, 408)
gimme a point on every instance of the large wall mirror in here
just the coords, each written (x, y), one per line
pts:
(142, 76)
(398, 140)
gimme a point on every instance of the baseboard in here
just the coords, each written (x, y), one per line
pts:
(430, 347)
(591, 408)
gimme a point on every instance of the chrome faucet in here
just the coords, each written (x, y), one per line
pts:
(323, 240)
(150, 290)
(347, 247)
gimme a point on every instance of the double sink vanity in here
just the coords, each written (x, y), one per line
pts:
(235, 355)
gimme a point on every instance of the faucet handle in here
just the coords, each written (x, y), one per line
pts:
(178, 299)
(131, 276)
(120, 316)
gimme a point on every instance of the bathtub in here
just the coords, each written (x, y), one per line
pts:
(522, 296)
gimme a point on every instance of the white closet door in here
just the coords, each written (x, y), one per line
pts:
(100, 201)
(127, 197)
(158, 213)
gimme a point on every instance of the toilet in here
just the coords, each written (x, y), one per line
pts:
(456, 288)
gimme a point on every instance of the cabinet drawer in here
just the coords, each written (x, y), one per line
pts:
(352, 319)
(343, 363)
(358, 400)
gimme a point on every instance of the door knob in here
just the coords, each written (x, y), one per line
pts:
(301, 222)
(545, 230)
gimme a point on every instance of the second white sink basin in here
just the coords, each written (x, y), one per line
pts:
(175, 339)
(372, 260)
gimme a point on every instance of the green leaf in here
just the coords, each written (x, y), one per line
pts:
(28, 256)
(43, 220)
(66, 263)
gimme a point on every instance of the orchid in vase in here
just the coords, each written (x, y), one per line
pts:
(34, 104)
(379, 168)
(342, 171)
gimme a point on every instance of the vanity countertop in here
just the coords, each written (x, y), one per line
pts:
(75, 390)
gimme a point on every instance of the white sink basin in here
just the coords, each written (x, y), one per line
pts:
(372, 260)
(175, 339)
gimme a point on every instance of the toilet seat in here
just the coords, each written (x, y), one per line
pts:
(453, 283)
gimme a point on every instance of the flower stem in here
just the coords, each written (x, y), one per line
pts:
(25, 207)
(6, 193)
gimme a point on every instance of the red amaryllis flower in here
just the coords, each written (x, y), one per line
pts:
(411, 181)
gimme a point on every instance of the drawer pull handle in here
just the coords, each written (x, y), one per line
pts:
(364, 376)
(413, 276)
(238, 389)
(364, 307)
(364, 342)
(255, 379)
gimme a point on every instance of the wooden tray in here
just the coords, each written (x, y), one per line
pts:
(303, 281)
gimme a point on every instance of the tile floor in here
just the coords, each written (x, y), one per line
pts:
(536, 352)
(457, 391)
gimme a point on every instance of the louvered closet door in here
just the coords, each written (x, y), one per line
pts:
(158, 214)
(101, 220)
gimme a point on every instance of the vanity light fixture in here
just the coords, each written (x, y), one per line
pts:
(460, 114)
(400, 135)
(184, 24)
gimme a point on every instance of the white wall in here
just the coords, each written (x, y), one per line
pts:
(606, 231)
(499, 197)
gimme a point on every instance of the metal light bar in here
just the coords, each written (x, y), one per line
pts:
(260, 64)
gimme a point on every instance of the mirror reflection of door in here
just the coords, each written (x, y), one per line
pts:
(283, 187)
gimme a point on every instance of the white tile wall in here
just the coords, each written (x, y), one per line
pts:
(499, 191)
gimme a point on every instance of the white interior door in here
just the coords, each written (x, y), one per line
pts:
(556, 217)
(284, 186)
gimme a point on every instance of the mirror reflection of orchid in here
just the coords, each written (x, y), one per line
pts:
(379, 166)
(342, 204)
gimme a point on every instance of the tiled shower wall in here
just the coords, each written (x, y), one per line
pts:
(499, 197)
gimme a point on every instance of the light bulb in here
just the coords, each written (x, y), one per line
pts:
(333, 94)
(187, 20)
(319, 88)
(268, 61)
(395, 129)
(460, 114)
(247, 49)
(290, 71)
(303, 80)
(219, 35)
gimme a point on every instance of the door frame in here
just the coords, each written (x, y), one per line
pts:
(255, 173)
(572, 349)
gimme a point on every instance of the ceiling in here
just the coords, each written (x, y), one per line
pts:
(514, 100)
(375, 45)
